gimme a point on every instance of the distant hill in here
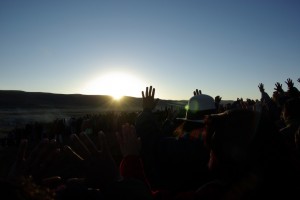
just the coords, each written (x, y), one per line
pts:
(22, 99)
(18, 108)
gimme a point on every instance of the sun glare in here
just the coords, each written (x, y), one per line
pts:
(115, 85)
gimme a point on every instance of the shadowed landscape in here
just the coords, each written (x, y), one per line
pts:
(19, 107)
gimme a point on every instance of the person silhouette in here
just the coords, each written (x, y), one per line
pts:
(177, 162)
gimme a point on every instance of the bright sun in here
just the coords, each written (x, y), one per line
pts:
(114, 84)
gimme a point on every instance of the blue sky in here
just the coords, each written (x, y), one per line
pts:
(224, 48)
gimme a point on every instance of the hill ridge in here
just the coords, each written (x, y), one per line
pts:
(23, 99)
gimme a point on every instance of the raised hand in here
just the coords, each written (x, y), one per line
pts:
(197, 92)
(289, 83)
(261, 87)
(278, 87)
(100, 167)
(218, 99)
(149, 103)
(39, 162)
(128, 141)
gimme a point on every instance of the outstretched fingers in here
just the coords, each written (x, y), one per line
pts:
(88, 143)
(197, 92)
(150, 92)
(128, 141)
(78, 146)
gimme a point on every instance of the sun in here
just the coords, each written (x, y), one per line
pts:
(114, 84)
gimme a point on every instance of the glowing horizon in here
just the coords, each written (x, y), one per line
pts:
(115, 84)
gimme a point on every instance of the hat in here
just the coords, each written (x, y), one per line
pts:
(199, 106)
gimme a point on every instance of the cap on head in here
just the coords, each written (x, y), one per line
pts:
(199, 106)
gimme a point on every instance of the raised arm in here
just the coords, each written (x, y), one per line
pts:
(149, 102)
(100, 168)
(150, 132)
(289, 83)
(278, 88)
(217, 102)
(261, 87)
(269, 103)
(47, 164)
(292, 92)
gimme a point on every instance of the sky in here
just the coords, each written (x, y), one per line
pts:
(111, 47)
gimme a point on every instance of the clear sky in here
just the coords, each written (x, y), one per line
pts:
(222, 47)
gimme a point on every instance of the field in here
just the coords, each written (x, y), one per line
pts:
(13, 117)
(18, 108)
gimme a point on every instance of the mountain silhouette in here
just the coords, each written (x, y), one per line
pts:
(22, 99)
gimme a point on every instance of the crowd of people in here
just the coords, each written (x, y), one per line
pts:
(249, 149)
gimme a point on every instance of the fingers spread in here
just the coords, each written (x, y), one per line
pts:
(79, 146)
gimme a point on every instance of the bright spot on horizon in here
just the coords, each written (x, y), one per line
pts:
(115, 84)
